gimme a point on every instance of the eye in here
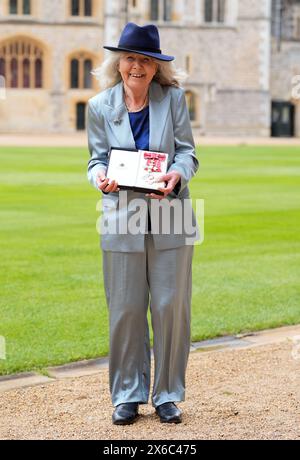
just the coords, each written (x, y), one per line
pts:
(129, 58)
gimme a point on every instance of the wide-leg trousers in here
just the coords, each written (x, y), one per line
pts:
(131, 279)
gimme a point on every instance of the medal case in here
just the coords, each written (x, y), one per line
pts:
(137, 170)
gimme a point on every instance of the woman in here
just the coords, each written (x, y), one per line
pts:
(143, 107)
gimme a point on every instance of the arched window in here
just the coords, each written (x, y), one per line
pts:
(80, 72)
(22, 63)
(87, 73)
(2, 67)
(81, 8)
(26, 73)
(38, 73)
(74, 73)
(22, 7)
(191, 103)
(14, 73)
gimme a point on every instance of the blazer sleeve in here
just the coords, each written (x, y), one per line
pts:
(185, 161)
(97, 143)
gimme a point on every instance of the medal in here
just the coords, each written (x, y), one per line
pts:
(154, 160)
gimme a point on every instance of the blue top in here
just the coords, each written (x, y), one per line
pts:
(139, 122)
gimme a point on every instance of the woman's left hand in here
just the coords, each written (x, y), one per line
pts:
(172, 178)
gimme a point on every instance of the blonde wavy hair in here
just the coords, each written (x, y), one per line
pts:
(108, 75)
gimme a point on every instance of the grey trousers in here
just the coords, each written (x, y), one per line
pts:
(129, 279)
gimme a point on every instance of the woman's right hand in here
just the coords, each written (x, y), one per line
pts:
(104, 185)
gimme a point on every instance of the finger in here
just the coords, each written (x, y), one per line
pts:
(169, 187)
(166, 190)
(116, 188)
(101, 177)
(157, 197)
(102, 185)
(164, 177)
(110, 187)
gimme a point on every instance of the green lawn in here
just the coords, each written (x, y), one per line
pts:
(52, 306)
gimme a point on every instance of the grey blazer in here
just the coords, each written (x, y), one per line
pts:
(170, 132)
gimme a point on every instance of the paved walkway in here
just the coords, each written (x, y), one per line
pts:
(80, 140)
(243, 387)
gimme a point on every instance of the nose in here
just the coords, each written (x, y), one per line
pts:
(137, 62)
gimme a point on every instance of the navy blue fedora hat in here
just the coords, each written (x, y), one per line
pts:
(142, 40)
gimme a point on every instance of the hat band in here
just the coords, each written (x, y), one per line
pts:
(140, 48)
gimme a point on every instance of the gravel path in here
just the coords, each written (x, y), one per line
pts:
(232, 394)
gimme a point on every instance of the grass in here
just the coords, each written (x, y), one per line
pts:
(52, 304)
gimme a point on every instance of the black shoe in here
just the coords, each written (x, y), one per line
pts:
(169, 413)
(125, 413)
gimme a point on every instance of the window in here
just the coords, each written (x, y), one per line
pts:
(214, 11)
(154, 14)
(297, 31)
(26, 73)
(74, 73)
(161, 10)
(21, 63)
(26, 6)
(38, 72)
(88, 8)
(13, 73)
(13, 7)
(21, 7)
(167, 10)
(80, 116)
(191, 103)
(2, 67)
(87, 73)
(208, 10)
(80, 72)
(75, 8)
(81, 8)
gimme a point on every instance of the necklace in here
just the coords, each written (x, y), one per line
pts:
(138, 109)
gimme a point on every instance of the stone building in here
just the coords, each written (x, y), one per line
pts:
(47, 50)
(285, 68)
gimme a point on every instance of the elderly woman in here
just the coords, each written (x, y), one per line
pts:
(143, 107)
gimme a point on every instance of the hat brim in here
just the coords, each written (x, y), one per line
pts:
(159, 56)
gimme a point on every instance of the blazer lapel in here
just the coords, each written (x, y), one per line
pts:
(118, 119)
(159, 109)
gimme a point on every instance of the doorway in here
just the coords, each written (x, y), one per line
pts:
(80, 116)
(283, 115)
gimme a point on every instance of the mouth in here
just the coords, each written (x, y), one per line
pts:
(136, 75)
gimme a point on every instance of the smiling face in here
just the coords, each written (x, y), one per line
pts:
(137, 71)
